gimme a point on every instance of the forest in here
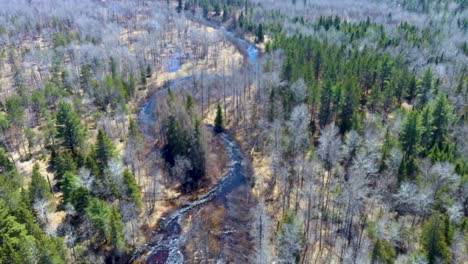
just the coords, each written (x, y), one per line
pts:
(234, 131)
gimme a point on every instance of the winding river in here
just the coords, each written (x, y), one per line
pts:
(164, 246)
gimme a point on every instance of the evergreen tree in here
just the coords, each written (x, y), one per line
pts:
(325, 104)
(410, 134)
(69, 184)
(62, 163)
(426, 88)
(99, 213)
(197, 154)
(219, 123)
(143, 78)
(38, 187)
(16, 245)
(260, 34)
(7, 167)
(80, 199)
(113, 68)
(69, 127)
(383, 252)
(148, 71)
(179, 6)
(434, 240)
(225, 13)
(115, 235)
(441, 116)
(426, 128)
(349, 103)
(133, 192)
(104, 150)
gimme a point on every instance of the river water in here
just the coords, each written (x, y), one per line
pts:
(164, 246)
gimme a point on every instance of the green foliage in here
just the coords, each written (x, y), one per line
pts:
(426, 88)
(80, 199)
(69, 184)
(38, 104)
(410, 134)
(115, 234)
(383, 252)
(133, 192)
(38, 187)
(15, 110)
(185, 140)
(349, 104)
(426, 128)
(99, 213)
(434, 240)
(325, 104)
(62, 162)
(103, 151)
(260, 35)
(179, 6)
(69, 128)
(441, 119)
(219, 122)
(16, 246)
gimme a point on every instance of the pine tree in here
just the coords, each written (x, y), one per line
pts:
(69, 184)
(410, 134)
(441, 116)
(148, 71)
(219, 123)
(133, 192)
(99, 213)
(225, 13)
(16, 245)
(115, 235)
(38, 187)
(80, 199)
(62, 162)
(348, 104)
(69, 127)
(179, 6)
(197, 154)
(426, 128)
(104, 150)
(426, 88)
(260, 34)
(434, 241)
(113, 68)
(383, 252)
(325, 104)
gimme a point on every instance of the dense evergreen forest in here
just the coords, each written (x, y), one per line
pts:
(233, 131)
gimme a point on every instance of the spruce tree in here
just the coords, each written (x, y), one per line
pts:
(325, 104)
(69, 127)
(383, 252)
(441, 117)
(426, 88)
(133, 192)
(38, 187)
(16, 245)
(434, 241)
(426, 128)
(260, 34)
(104, 150)
(348, 104)
(219, 123)
(115, 234)
(410, 135)
(69, 184)
(179, 6)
